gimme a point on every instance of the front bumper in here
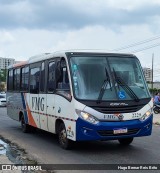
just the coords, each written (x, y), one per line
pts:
(104, 130)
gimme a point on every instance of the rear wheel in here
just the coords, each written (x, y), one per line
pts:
(125, 141)
(64, 142)
(25, 127)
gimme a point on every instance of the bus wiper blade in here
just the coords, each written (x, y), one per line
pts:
(104, 86)
(115, 78)
(130, 92)
(107, 75)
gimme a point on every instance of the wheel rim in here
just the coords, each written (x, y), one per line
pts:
(63, 137)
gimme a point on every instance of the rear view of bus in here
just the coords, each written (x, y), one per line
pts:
(113, 101)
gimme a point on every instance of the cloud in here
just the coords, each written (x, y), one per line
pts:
(23, 43)
(6, 37)
(63, 15)
(30, 27)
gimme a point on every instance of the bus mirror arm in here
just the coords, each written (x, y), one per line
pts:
(62, 64)
(58, 70)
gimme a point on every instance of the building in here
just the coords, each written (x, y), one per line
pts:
(5, 62)
(148, 74)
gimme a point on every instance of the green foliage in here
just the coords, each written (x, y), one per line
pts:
(3, 75)
(154, 91)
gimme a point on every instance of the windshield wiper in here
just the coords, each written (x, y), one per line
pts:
(104, 86)
(121, 83)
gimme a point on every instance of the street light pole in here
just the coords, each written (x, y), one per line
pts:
(152, 69)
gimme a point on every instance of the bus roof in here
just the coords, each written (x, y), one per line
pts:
(19, 64)
(64, 52)
(45, 56)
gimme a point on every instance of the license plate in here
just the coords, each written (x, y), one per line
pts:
(119, 131)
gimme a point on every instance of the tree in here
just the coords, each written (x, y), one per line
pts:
(3, 75)
(154, 90)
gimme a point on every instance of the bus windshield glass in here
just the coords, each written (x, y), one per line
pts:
(103, 78)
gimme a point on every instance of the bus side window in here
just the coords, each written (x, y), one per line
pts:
(16, 79)
(51, 77)
(24, 78)
(62, 76)
(34, 80)
(10, 80)
(26, 82)
(42, 78)
(62, 83)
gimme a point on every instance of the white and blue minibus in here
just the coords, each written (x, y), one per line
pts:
(81, 96)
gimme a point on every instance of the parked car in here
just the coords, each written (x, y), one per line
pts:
(2, 99)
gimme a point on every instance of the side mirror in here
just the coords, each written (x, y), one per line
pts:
(59, 69)
(62, 63)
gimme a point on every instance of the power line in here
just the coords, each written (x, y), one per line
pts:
(145, 48)
(137, 43)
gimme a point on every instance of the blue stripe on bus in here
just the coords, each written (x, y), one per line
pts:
(24, 107)
(87, 131)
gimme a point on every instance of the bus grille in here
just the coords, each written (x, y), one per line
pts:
(110, 132)
(113, 110)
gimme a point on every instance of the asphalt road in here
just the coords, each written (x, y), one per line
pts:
(44, 147)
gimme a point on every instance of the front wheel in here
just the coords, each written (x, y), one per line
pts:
(64, 142)
(125, 141)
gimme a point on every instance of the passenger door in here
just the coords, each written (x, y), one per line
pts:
(43, 98)
(51, 81)
(64, 106)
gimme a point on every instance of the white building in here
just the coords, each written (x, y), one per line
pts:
(5, 62)
(148, 74)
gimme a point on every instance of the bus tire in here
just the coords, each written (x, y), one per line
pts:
(25, 127)
(125, 141)
(64, 142)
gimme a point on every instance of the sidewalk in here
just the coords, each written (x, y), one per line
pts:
(156, 119)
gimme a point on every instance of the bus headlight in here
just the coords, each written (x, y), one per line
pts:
(87, 117)
(146, 115)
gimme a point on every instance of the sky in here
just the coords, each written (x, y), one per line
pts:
(30, 27)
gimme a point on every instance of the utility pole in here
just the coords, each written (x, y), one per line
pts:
(152, 69)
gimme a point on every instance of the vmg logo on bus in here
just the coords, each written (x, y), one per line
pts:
(38, 103)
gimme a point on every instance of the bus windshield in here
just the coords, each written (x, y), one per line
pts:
(107, 78)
